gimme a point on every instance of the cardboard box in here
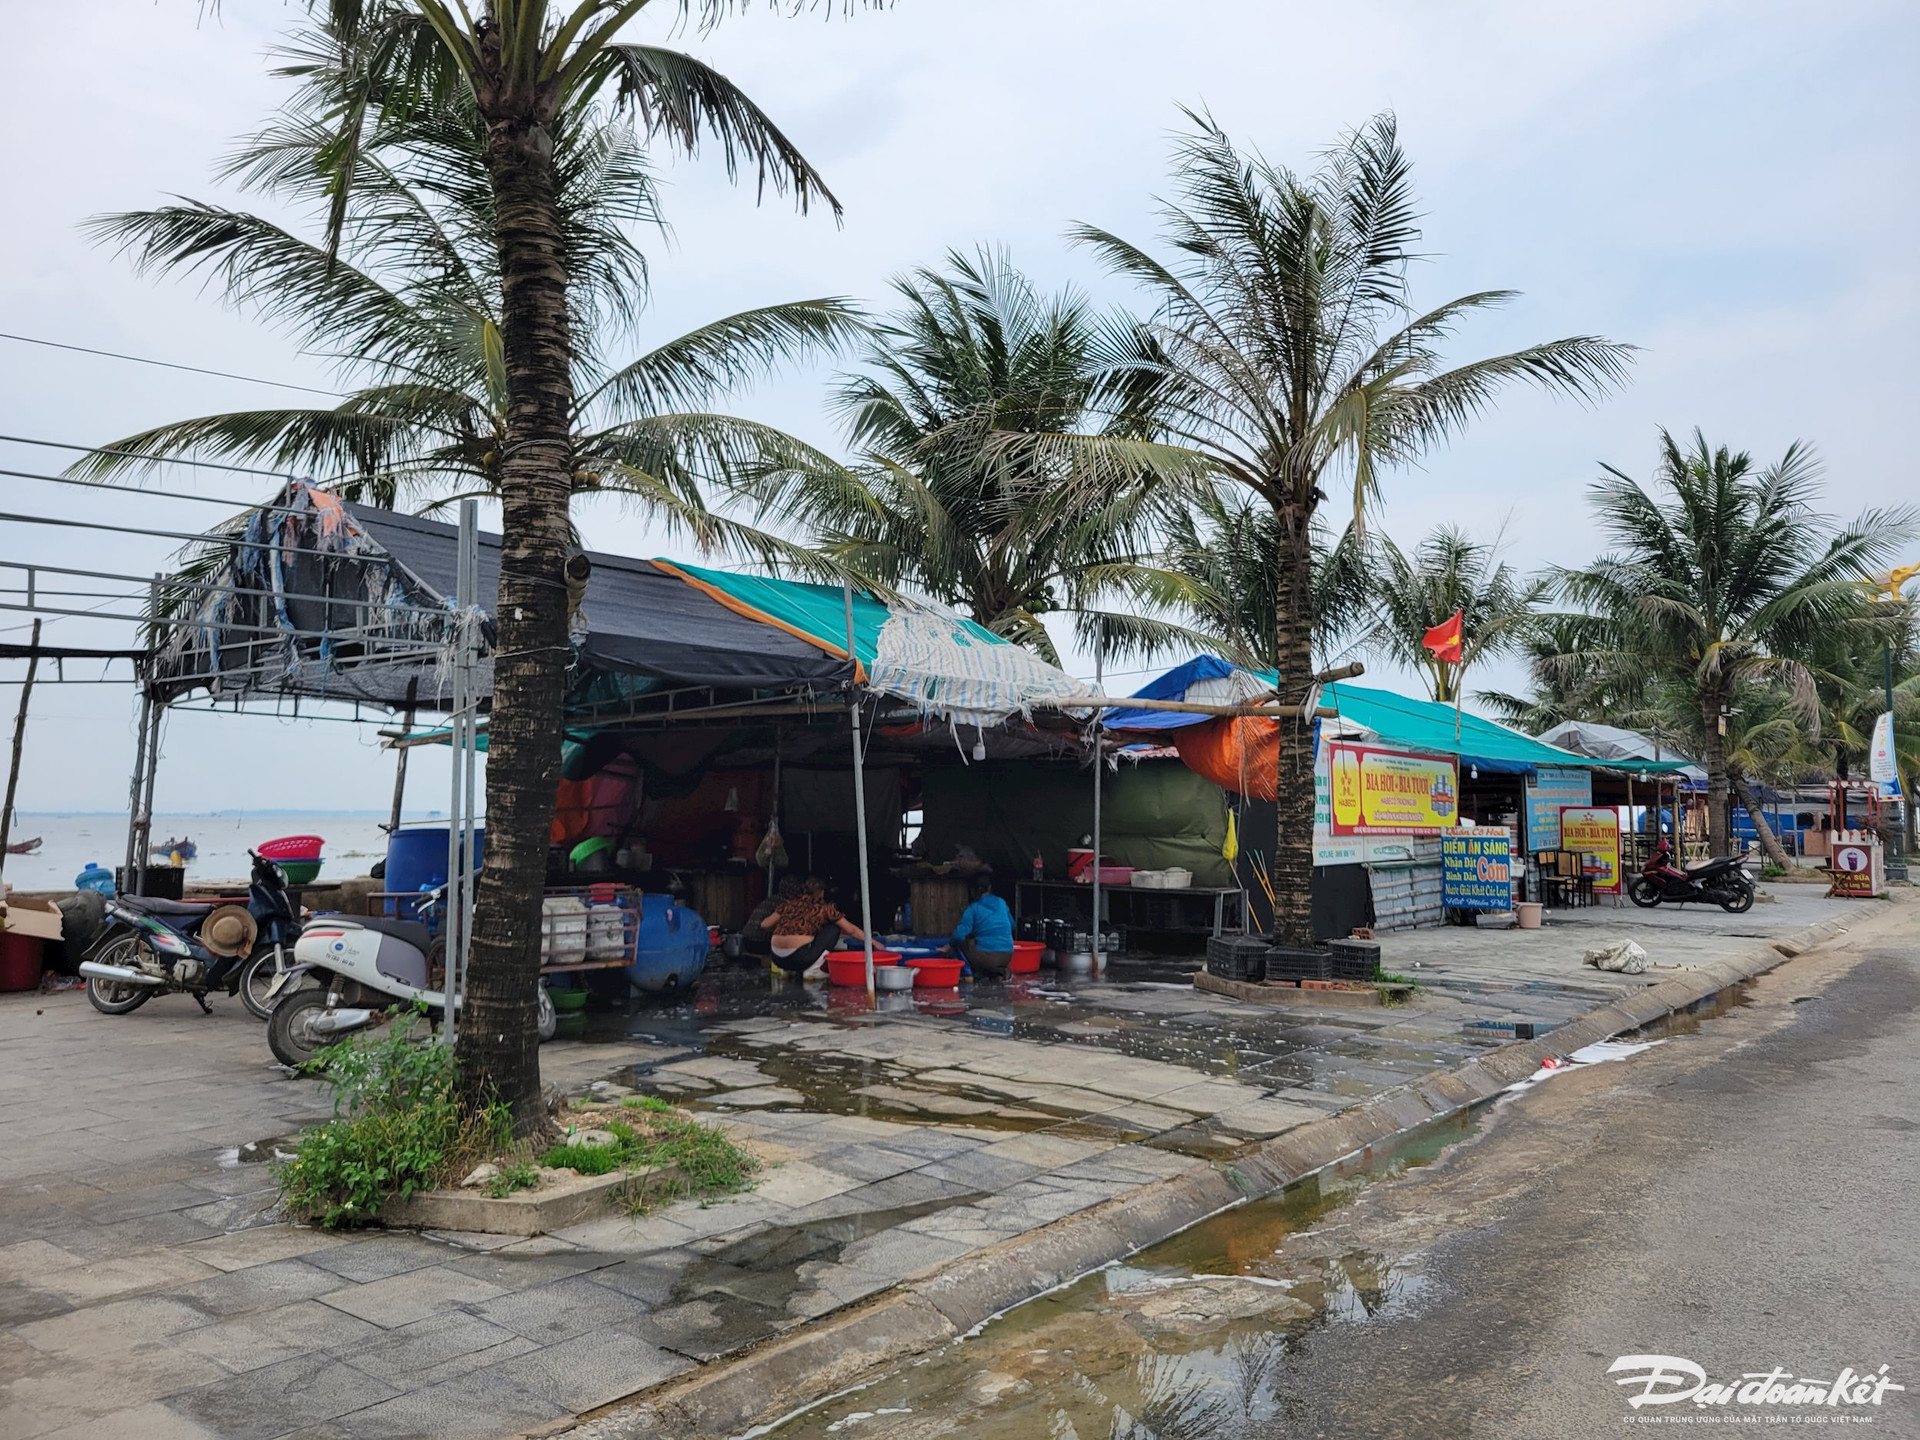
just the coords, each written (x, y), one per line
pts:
(39, 919)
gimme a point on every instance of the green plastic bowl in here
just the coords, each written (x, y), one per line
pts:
(566, 1002)
(299, 872)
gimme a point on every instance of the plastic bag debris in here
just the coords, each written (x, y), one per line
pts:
(1624, 956)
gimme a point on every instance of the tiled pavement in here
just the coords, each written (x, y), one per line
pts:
(147, 1290)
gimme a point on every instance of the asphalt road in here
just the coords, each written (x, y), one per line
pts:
(1745, 1197)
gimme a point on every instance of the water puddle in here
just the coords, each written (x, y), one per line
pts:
(1191, 1339)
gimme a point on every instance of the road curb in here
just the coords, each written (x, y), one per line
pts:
(781, 1376)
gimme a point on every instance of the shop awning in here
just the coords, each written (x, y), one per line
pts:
(1393, 719)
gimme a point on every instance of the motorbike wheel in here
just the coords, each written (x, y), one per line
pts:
(1644, 893)
(110, 997)
(256, 978)
(548, 1020)
(290, 1028)
(1736, 898)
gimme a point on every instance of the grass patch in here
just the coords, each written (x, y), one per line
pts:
(703, 1161)
(523, 1176)
(398, 1127)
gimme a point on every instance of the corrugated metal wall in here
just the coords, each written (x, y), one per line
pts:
(1406, 897)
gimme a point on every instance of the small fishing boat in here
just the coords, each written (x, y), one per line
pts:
(24, 847)
(175, 852)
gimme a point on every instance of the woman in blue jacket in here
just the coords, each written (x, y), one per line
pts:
(984, 936)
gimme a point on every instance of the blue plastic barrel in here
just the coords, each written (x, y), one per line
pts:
(417, 858)
(670, 948)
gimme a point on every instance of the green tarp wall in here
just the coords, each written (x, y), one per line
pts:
(1155, 814)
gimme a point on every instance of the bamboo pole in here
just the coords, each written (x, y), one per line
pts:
(19, 742)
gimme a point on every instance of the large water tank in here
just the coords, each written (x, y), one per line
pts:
(670, 949)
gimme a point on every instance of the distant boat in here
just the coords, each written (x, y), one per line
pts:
(176, 852)
(24, 847)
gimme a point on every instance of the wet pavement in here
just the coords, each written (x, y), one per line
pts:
(147, 1286)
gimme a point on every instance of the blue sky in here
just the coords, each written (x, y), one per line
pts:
(1730, 186)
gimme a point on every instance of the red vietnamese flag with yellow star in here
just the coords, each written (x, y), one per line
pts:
(1444, 639)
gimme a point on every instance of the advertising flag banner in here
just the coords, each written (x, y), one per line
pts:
(1547, 791)
(1375, 792)
(1594, 831)
(1880, 763)
(1476, 869)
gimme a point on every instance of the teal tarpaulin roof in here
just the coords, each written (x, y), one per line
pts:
(1428, 725)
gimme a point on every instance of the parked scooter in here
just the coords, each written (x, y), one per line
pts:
(162, 947)
(1719, 882)
(369, 968)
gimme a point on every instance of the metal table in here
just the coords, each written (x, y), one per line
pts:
(1196, 910)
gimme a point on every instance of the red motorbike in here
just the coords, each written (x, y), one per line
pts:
(1719, 882)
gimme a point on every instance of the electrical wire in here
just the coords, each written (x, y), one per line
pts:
(169, 365)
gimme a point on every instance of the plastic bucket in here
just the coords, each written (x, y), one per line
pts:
(1527, 912)
(568, 1000)
(1026, 957)
(942, 973)
(20, 961)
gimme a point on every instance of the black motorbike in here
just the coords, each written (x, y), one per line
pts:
(1721, 882)
(155, 947)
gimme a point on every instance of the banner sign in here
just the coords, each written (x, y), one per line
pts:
(1594, 831)
(1390, 792)
(1476, 869)
(1880, 763)
(1546, 793)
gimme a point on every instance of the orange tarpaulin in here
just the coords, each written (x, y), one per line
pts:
(1241, 754)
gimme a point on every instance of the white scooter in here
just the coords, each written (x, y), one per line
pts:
(368, 967)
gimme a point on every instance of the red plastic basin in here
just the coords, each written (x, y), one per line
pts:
(1026, 957)
(942, 973)
(291, 847)
(849, 967)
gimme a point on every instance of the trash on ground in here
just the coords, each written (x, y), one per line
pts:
(1624, 957)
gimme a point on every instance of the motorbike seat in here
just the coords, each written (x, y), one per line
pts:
(412, 932)
(153, 905)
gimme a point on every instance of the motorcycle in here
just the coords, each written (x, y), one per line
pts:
(370, 967)
(164, 947)
(1719, 882)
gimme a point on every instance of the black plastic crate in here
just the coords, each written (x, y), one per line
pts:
(1354, 959)
(1286, 963)
(1237, 957)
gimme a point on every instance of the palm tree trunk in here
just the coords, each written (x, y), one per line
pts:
(499, 1050)
(1714, 757)
(1769, 842)
(1291, 870)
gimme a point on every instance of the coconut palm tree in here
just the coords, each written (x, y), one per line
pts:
(944, 495)
(1450, 572)
(532, 71)
(1286, 351)
(1725, 577)
(407, 307)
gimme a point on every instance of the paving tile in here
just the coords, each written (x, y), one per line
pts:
(261, 1245)
(522, 1270)
(401, 1356)
(626, 1235)
(895, 1254)
(650, 1279)
(379, 1256)
(800, 1183)
(266, 1337)
(708, 1329)
(560, 1311)
(981, 1170)
(477, 1406)
(259, 1287)
(151, 1421)
(26, 1260)
(868, 1162)
(20, 1304)
(401, 1299)
(118, 1324)
(595, 1368)
(1046, 1151)
(266, 1403)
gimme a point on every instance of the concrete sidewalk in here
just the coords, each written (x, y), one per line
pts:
(147, 1289)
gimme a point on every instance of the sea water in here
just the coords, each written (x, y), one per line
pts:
(354, 841)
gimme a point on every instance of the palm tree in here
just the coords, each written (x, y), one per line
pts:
(1725, 578)
(409, 307)
(1286, 352)
(1226, 547)
(532, 71)
(946, 495)
(1450, 572)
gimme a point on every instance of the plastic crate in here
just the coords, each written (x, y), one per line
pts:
(1354, 959)
(1283, 962)
(1237, 957)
